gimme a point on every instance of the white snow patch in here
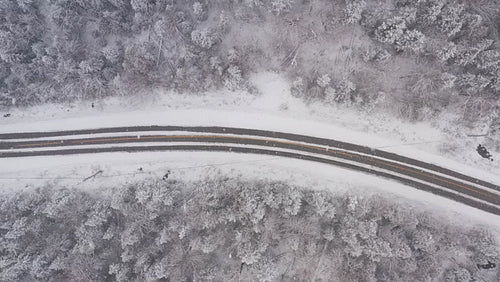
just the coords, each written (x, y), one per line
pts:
(275, 94)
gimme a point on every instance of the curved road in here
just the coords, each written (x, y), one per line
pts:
(428, 177)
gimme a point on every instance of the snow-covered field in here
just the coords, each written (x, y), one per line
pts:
(275, 109)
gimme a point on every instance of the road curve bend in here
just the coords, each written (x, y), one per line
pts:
(421, 175)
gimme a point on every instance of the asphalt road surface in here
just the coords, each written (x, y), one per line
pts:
(459, 187)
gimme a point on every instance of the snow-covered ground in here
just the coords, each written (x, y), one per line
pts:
(275, 109)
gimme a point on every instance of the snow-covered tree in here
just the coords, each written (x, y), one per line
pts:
(451, 19)
(198, 10)
(323, 81)
(233, 79)
(324, 206)
(331, 95)
(353, 10)
(391, 30)
(203, 38)
(298, 87)
(142, 231)
(281, 6)
(345, 89)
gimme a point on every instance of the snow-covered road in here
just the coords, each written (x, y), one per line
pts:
(421, 175)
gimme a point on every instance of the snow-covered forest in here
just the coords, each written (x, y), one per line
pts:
(413, 58)
(228, 229)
